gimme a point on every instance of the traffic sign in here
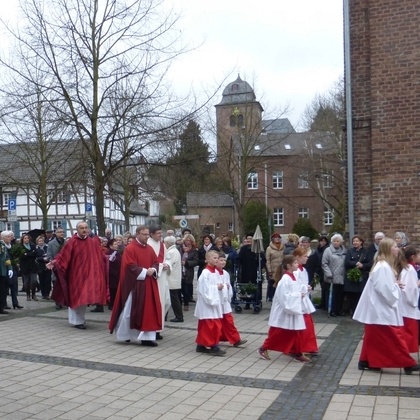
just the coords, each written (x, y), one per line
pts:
(12, 204)
(183, 223)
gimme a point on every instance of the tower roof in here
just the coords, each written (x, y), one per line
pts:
(237, 92)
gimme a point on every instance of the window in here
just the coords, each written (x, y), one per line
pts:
(56, 224)
(252, 183)
(303, 180)
(278, 180)
(328, 216)
(303, 212)
(278, 216)
(327, 180)
(57, 196)
(6, 197)
(236, 120)
(217, 225)
(230, 226)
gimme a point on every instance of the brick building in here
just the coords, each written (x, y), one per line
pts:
(294, 174)
(385, 86)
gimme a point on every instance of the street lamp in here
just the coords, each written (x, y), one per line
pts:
(184, 209)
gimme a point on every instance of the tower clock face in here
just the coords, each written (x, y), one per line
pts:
(235, 111)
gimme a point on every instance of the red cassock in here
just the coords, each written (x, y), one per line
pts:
(146, 312)
(81, 273)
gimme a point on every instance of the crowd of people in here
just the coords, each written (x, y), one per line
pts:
(142, 277)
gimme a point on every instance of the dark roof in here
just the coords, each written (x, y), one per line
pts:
(292, 144)
(198, 199)
(279, 125)
(238, 92)
(22, 162)
(136, 208)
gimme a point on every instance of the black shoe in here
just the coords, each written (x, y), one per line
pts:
(7, 307)
(202, 349)
(17, 307)
(58, 306)
(333, 314)
(320, 307)
(192, 301)
(216, 351)
(411, 369)
(3, 312)
(176, 320)
(80, 327)
(158, 336)
(149, 343)
(239, 343)
(128, 341)
(98, 309)
(364, 366)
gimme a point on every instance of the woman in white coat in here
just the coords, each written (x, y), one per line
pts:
(384, 344)
(174, 275)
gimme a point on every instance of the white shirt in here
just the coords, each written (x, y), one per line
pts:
(286, 288)
(378, 304)
(208, 304)
(409, 294)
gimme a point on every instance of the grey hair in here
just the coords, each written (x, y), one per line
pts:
(6, 233)
(379, 235)
(169, 240)
(337, 236)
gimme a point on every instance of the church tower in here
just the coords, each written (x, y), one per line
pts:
(238, 112)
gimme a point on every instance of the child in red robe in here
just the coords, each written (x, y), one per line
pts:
(286, 317)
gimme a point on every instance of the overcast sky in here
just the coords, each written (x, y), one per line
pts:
(287, 50)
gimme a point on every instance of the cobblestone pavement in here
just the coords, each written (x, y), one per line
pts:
(50, 370)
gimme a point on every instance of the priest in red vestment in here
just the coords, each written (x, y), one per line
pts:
(137, 312)
(80, 268)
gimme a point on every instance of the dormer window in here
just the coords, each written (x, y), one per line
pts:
(287, 147)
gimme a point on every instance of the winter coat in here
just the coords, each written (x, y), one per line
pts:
(28, 260)
(354, 256)
(274, 257)
(333, 264)
(191, 261)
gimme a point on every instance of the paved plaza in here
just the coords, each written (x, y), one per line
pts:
(50, 370)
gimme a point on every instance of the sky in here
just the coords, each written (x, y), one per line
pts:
(288, 51)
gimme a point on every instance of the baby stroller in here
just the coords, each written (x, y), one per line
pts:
(247, 294)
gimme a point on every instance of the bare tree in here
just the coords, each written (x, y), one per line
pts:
(35, 154)
(104, 63)
(323, 118)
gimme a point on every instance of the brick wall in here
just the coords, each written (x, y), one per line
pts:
(385, 66)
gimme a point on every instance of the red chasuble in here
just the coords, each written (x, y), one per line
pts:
(81, 273)
(146, 312)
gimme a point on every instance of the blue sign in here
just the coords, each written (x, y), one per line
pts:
(12, 205)
(88, 207)
(183, 223)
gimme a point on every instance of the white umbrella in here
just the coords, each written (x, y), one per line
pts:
(258, 247)
(257, 241)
